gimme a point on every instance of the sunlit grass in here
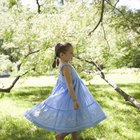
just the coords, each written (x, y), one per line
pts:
(122, 123)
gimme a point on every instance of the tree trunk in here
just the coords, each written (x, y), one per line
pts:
(127, 97)
(12, 85)
(18, 77)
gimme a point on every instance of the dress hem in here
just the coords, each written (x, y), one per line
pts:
(91, 124)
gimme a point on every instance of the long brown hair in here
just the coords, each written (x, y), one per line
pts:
(60, 48)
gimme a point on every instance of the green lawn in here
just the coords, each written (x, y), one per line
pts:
(122, 123)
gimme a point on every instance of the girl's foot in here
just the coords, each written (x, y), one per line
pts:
(74, 135)
(58, 137)
(61, 136)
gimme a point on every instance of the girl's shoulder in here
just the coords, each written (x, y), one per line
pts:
(64, 64)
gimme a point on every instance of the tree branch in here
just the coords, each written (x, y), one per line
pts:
(123, 16)
(100, 19)
(31, 52)
(116, 9)
(13, 83)
(127, 97)
(38, 5)
(116, 3)
(105, 38)
(18, 77)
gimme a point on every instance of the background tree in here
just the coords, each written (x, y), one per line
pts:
(28, 36)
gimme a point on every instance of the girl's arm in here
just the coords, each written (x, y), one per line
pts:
(67, 74)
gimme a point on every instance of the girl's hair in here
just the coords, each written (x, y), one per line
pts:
(60, 48)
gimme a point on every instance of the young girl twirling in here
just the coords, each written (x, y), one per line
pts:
(70, 107)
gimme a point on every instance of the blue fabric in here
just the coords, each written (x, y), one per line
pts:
(57, 112)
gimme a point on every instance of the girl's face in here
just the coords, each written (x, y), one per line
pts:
(66, 57)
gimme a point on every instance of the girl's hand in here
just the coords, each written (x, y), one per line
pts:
(76, 105)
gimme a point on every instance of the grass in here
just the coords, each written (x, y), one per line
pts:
(122, 123)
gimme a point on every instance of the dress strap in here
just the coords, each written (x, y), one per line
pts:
(62, 65)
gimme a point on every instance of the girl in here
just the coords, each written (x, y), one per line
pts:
(70, 107)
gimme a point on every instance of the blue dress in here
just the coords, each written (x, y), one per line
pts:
(57, 112)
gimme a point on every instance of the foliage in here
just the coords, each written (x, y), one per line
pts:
(23, 31)
(127, 40)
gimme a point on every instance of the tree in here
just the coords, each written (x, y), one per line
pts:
(28, 36)
(127, 97)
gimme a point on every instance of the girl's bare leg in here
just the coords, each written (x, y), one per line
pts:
(61, 136)
(74, 135)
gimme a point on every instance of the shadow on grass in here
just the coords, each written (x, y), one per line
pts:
(43, 92)
(131, 89)
(134, 89)
(30, 94)
(18, 129)
(100, 92)
(12, 128)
